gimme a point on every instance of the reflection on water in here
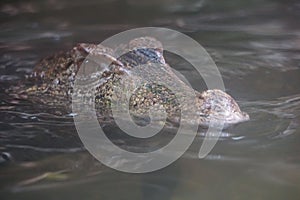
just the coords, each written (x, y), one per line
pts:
(256, 45)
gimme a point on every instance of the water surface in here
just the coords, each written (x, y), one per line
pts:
(256, 46)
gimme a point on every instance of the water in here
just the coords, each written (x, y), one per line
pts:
(256, 46)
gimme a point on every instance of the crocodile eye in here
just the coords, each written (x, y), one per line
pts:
(5, 156)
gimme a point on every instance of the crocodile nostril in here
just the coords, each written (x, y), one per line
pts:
(247, 117)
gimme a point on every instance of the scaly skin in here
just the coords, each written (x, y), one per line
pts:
(53, 79)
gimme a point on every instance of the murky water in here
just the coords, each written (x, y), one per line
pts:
(256, 45)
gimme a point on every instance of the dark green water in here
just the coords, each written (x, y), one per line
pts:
(256, 45)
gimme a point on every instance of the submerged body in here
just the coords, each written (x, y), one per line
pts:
(52, 81)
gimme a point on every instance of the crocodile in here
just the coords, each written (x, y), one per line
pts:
(53, 78)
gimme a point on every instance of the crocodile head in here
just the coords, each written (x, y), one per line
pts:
(55, 76)
(219, 107)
